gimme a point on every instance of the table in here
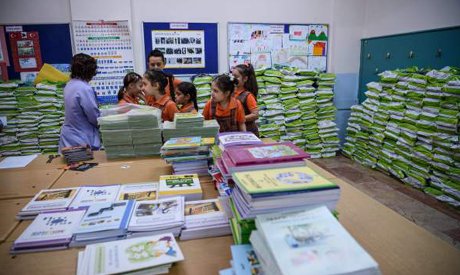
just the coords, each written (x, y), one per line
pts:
(398, 245)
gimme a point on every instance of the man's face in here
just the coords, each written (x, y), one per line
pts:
(156, 63)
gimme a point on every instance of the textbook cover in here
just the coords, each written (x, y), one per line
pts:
(187, 185)
(142, 191)
(51, 199)
(229, 139)
(245, 260)
(89, 195)
(281, 179)
(51, 230)
(137, 254)
(266, 153)
(182, 143)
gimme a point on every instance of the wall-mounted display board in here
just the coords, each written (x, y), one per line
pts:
(189, 48)
(303, 46)
(29, 46)
(425, 49)
(110, 43)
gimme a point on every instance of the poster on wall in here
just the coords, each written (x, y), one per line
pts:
(3, 49)
(25, 48)
(275, 45)
(181, 48)
(109, 42)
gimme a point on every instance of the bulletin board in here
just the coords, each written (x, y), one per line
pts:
(189, 48)
(303, 46)
(54, 45)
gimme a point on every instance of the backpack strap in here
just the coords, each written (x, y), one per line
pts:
(243, 98)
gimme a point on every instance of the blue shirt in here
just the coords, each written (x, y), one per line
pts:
(81, 113)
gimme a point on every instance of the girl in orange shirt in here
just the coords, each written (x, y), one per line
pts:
(246, 92)
(131, 92)
(224, 108)
(186, 97)
(153, 84)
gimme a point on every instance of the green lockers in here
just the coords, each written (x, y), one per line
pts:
(425, 49)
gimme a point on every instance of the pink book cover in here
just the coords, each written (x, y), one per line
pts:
(264, 153)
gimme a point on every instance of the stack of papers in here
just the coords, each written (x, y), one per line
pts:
(202, 83)
(157, 216)
(188, 155)
(281, 239)
(48, 231)
(188, 120)
(145, 255)
(209, 128)
(16, 162)
(77, 153)
(9, 143)
(204, 219)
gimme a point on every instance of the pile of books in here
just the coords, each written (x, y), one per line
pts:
(202, 83)
(77, 153)
(273, 190)
(188, 155)
(308, 242)
(231, 139)
(187, 185)
(134, 133)
(144, 255)
(244, 261)
(203, 219)
(188, 120)
(208, 129)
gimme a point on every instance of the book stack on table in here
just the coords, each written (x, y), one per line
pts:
(283, 241)
(273, 190)
(209, 128)
(188, 155)
(205, 218)
(144, 255)
(77, 153)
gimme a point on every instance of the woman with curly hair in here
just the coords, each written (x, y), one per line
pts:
(80, 103)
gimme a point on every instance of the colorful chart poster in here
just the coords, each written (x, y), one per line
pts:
(182, 48)
(110, 43)
(25, 47)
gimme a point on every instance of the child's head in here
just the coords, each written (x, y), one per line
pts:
(156, 60)
(246, 78)
(154, 83)
(223, 87)
(132, 84)
(185, 93)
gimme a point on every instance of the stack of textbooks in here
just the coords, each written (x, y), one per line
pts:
(308, 242)
(188, 155)
(158, 216)
(48, 231)
(103, 222)
(203, 219)
(144, 255)
(48, 200)
(209, 128)
(89, 195)
(188, 120)
(262, 156)
(273, 190)
(186, 185)
(142, 191)
(231, 139)
(244, 261)
(77, 153)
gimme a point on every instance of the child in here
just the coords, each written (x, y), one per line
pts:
(130, 92)
(153, 85)
(246, 92)
(186, 97)
(157, 61)
(224, 108)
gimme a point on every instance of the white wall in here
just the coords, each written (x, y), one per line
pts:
(34, 12)
(401, 16)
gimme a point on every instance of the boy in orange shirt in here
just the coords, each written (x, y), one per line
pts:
(153, 85)
(130, 92)
(246, 92)
(157, 61)
(223, 107)
(186, 97)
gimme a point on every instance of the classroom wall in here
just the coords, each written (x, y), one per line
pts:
(33, 12)
(402, 16)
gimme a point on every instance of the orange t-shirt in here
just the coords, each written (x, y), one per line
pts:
(167, 106)
(251, 102)
(150, 99)
(220, 111)
(188, 108)
(128, 99)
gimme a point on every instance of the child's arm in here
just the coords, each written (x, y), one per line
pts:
(242, 127)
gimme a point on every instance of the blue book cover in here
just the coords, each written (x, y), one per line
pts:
(106, 216)
(245, 261)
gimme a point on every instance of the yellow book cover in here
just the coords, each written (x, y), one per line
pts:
(281, 180)
(182, 142)
(186, 185)
(207, 141)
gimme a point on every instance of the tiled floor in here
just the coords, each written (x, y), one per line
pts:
(436, 217)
